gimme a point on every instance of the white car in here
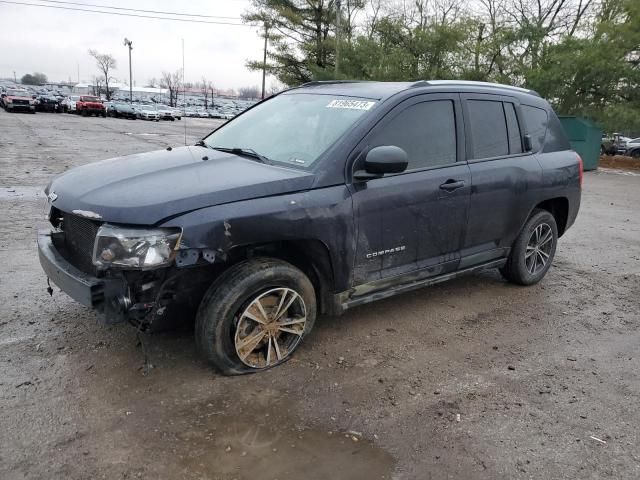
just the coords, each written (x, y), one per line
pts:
(632, 143)
(147, 112)
(69, 103)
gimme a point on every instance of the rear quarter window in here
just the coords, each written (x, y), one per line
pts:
(537, 121)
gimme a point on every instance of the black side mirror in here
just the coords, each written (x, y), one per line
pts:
(527, 143)
(382, 160)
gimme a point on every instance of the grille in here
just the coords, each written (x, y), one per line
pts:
(79, 237)
(21, 102)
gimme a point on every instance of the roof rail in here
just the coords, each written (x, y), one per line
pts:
(328, 82)
(472, 83)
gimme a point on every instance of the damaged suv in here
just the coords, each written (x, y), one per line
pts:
(319, 199)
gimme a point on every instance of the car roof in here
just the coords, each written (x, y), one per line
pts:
(384, 90)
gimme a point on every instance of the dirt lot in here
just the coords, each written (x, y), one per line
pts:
(474, 378)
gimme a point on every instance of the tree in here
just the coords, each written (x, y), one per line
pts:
(172, 82)
(36, 79)
(249, 93)
(302, 38)
(96, 85)
(106, 63)
(205, 86)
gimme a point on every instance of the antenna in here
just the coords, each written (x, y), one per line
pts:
(184, 92)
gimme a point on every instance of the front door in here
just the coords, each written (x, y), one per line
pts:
(414, 222)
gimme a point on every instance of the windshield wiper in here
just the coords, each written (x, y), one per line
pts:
(247, 152)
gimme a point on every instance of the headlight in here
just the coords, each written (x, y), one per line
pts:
(135, 247)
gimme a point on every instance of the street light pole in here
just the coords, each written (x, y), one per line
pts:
(337, 37)
(129, 43)
(264, 58)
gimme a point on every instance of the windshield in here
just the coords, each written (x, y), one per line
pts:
(294, 128)
(17, 93)
(90, 99)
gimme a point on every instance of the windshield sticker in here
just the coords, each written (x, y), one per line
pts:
(351, 104)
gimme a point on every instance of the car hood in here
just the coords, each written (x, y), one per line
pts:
(146, 188)
(18, 97)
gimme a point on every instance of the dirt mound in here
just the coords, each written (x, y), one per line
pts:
(620, 161)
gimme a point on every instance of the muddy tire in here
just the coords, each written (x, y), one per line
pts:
(254, 316)
(533, 250)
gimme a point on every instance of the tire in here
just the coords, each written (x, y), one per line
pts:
(520, 267)
(635, 153)
(221, 323)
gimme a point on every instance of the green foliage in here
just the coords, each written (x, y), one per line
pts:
(583, 56)
(36, 78)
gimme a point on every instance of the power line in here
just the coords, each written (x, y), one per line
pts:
(138, 10)
(128, 14)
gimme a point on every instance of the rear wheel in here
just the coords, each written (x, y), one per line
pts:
(533, 251)
(254, 316)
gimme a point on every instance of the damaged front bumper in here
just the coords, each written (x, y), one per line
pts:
(159, 296)
(107, 295)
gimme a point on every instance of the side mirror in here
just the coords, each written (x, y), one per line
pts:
(527, 143)
(382, 160)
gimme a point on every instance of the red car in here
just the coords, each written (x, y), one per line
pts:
(90, 105)
(15, 99)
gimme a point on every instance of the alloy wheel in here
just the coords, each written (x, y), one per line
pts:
(538, 252)
(270, 327)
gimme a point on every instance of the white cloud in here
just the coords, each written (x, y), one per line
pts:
(55, 42)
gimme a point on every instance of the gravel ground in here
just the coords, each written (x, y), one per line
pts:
(471, 379)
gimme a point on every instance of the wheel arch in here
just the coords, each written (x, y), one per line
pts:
(559, 208)
(311, 256)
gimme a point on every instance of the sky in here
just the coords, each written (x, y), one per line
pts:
(55, 42)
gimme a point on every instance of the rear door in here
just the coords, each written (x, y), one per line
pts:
(415, 220)
(504, 177)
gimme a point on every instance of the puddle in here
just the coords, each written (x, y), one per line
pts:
(268, 445)
(8, 193)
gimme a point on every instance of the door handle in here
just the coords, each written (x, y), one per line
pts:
(451, 185)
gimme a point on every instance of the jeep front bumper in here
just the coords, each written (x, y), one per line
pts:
(103, 294)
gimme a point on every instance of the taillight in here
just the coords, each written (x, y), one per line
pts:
(581, 169)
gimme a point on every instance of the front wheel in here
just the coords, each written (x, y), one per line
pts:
(533, 250)
(254, 316)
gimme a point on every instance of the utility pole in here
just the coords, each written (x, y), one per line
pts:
(129, 43)
(264, 57)
(15, 80)
(78, 64)
(337, 37)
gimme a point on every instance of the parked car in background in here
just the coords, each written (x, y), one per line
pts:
(616, 144)
(320, 199)
(633, 148)
(18, 100)
(69, 103)
(122, 110)
(147, 112)
(49, 103)
(176, 112)
(164, 112)
(89, 105)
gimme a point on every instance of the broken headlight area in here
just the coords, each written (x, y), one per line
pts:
(135, 248)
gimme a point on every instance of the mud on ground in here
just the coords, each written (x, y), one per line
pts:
(471, 379)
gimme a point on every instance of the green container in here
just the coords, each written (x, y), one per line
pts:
(585, 137)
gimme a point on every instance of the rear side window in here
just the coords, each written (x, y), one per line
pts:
(488, 129)
(536, 120)
(426, 131)
(515, 138)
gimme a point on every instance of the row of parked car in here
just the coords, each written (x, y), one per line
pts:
(618, 144)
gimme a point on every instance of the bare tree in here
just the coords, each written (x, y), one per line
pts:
(248, 93)
(96, 85)
(106, 63)
(205, 86)
(172, 81)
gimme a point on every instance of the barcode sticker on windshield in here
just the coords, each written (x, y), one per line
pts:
(351, 104)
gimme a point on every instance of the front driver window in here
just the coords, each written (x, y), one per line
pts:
(426, 131)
